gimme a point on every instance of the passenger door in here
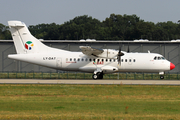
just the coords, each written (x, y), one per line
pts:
(59, 62)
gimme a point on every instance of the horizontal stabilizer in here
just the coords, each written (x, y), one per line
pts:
(16, 24)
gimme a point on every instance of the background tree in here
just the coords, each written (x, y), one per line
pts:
(121, 27)
(82, 27)
(4, 32)
(114, 27)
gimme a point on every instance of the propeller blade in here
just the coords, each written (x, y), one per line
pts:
(119, 56)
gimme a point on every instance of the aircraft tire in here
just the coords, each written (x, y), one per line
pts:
(161, 77)
(95, 76)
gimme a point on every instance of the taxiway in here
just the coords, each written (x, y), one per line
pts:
(69, 81)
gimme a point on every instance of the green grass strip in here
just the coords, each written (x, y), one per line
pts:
(89, 102)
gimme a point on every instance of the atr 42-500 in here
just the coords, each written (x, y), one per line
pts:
(92, 60)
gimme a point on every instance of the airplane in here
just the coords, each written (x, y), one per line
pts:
(91, 60)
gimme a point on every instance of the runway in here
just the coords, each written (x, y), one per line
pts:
(74, 81)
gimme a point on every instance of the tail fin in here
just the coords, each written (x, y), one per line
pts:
(25, 42)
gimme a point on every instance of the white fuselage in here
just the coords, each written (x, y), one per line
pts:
(77, 61)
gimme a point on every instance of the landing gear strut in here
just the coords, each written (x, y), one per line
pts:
(161, 75)
(98, 75)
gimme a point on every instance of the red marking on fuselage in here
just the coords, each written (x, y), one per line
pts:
(99, 63)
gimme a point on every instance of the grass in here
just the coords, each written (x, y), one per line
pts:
(127, 102)
(121, 76)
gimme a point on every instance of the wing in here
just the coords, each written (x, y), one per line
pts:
(87, 50)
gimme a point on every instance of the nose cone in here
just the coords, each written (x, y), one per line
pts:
(172, 66)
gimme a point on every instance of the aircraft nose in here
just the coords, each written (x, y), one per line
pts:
(172, 66)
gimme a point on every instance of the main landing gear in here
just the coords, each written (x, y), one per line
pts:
(98, 75)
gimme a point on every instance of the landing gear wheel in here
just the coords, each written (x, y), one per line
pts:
(95, 76)
(99, 75)
(161, 77)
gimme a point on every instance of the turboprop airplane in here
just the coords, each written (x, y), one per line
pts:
(92, 60)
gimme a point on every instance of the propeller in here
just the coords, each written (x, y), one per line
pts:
(119, 56)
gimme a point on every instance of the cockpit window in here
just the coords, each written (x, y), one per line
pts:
(162, 58)
(159, 58)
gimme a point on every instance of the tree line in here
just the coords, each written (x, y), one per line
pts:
(115, 27)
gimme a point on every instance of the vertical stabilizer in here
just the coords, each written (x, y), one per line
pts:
(23, 40)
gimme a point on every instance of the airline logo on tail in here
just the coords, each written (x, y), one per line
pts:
(29, 45)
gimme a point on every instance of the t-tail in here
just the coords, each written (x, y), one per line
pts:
(24, 41)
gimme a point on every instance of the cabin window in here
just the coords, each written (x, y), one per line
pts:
(90, 59)
(134, 60)
(109, 60)
(70, 59)
(129, 60)
(106, 60)
(155, 58)
(98, 60)
(82, 59)
(125, 60)
(66, 59)
(94, 60)
(121, 60)
(86, 59)
(159, 58)
(114, 60)
(74, 59)
(78, 59)
(102, 60)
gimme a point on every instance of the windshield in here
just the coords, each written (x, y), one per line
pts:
(159, 58)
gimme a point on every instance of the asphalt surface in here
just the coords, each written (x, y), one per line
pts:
(68, 81)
